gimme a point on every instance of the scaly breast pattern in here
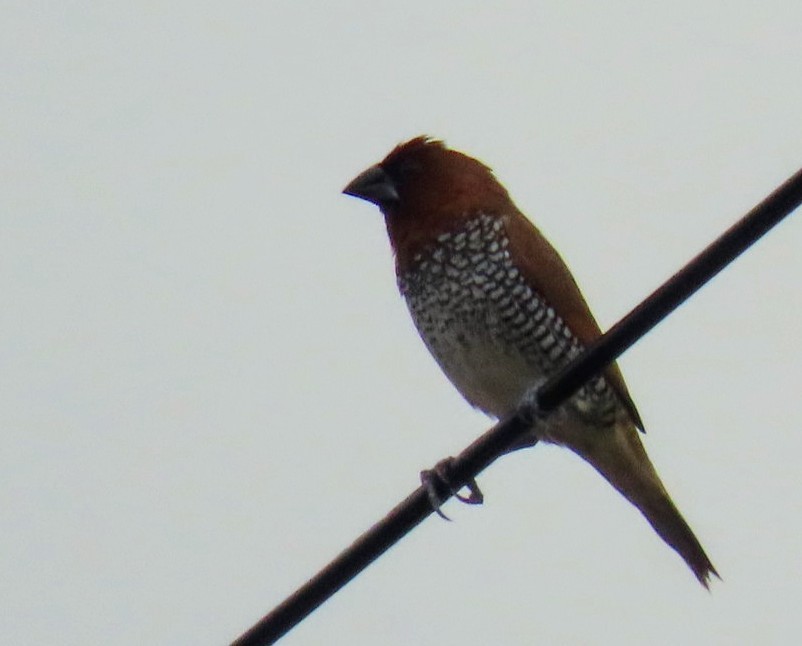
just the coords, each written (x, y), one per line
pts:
(490, 332)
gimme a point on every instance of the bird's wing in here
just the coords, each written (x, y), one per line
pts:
(548, 275)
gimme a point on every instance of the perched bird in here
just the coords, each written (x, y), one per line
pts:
(499, 311)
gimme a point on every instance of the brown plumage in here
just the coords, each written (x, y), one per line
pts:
(499, 310)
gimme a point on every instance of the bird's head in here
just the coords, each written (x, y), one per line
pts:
(420, 175)
(424, 188)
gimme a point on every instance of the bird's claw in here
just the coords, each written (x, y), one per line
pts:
(442, 477)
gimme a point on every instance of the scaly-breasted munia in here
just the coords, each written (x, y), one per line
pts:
(499, 311)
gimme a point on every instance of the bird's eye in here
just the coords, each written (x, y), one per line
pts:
(409, 168)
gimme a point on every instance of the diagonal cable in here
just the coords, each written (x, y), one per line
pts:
(492, 444)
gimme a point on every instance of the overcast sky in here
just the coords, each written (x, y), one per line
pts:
(209, 384)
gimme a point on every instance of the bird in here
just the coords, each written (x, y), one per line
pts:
(500, 311)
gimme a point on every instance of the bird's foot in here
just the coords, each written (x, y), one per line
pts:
(440, 478)
(529, 409)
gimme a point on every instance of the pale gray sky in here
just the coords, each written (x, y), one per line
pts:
(210, 385)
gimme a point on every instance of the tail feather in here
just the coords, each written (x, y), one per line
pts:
(663, 515)
(620, 457)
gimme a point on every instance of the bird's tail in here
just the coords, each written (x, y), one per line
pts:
(625, 465)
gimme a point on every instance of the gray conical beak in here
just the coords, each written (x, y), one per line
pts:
(373, 185)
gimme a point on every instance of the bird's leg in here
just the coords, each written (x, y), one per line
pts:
(529, 409)
(530, 412)
(442, 477)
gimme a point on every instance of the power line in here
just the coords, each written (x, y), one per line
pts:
(492, 444)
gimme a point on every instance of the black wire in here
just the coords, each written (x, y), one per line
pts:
(416, 507)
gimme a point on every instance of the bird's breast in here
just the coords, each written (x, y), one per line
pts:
(490, 332)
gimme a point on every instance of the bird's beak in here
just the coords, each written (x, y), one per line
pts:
(373, 185)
